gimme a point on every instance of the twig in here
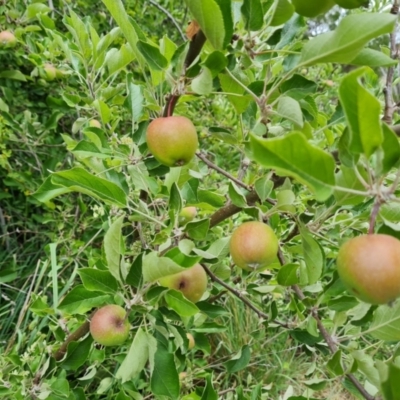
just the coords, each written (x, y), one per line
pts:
(325, 334)
(74, 336)
(374, 214)
(170, 16)
(240, 296)
(388, 91)
(222, 171)
(195, 47)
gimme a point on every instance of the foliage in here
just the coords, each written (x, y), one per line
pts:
(291, 133)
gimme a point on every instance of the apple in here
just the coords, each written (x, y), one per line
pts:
(187, 214)
(369, 267)
(253, 245)
(109, 325)
(349, 4)
(94, 123)
(7, 39)
(172, 140)
(312, 8)
(51, 72)
(191, 341)
(192, 282)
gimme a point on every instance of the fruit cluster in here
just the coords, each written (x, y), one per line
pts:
(368, 265)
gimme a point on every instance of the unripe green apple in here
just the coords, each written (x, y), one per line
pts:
(187, 214)
(349, 4)
(191, 341)
(7, 39)
(253, 245)
(172, 140)
(369, 267)
(51, 72)
(312, 8)
(94, 123)
(109, 325)
(192, 282)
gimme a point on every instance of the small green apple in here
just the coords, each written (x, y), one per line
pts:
(191, 341)
(172, 140)
(312, 8)
(349, 4)
(50, 72)
(253, 245)
(94, 123)
(186, 215)
(369, 267)
(192, 282)
(109, 325)
(7, 39)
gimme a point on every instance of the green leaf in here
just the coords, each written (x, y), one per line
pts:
(79, 180)
(135, 98)
(137, 357)
(313, 256)
(362, 111)
(95, 279)
(175, 199)
(284, 10)
(13, 74)
(164, 379)
(118, 12)
(152, 55)
(80, 300)
(288, 275)
(48, 190)
(335, 364)
(391, 149)
(253, 14)
(118, 59)
(239, 361)
(290, 109)
(386, 323)
(198, 230)
(77, 354)
(155, 267)
(209, 393)
(391, 386)
(347, 40)
(209, 16)
(294, 156)
(180, 304)
(373, 58)
(229, 85)
(203, 83)
(113, 244)
(237, 197)
(263, 187)
(135, 275)
(347, 178)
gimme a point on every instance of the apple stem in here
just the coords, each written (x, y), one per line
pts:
(374, 215)
(240, 296)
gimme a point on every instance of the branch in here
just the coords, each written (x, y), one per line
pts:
(240, 296)
(169, 15)
(195, 47)
(325, 334)
(73, 337)
(222, 171)
(388, 90)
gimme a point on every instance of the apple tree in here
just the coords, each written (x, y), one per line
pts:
(240, 113)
